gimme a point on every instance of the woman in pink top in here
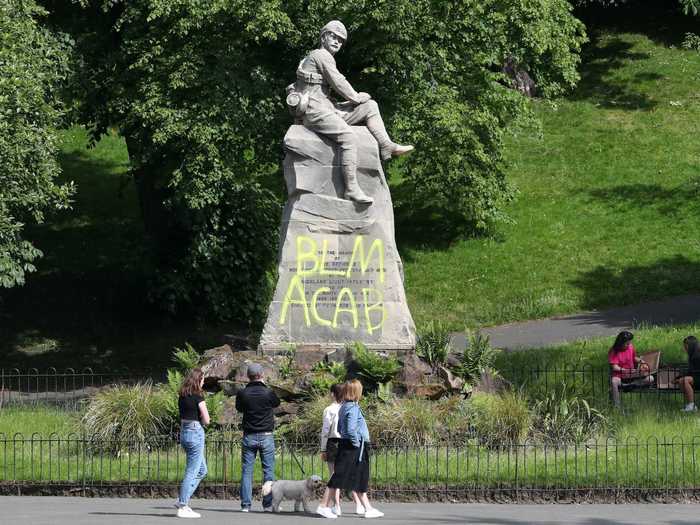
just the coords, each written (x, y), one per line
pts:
(623, 362)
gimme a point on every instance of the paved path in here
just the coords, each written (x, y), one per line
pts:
(587, 325)
(90, 511)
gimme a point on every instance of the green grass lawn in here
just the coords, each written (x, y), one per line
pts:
(41, 420)
(608, 209)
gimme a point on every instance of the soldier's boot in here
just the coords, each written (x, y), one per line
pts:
(353, 192)
(387, 148)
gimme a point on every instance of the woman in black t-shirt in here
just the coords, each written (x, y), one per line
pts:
(193, 414)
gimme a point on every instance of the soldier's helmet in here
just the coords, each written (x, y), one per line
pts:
(337, 28)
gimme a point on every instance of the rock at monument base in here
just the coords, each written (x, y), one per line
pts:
(491, 384)
(414, 370)
(307, 356)
(432, 391)
(452, 382)
(229, 416)
(340, 274)
(216, 364)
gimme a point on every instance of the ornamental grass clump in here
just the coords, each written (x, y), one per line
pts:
(500, 420)
(403, 422)
(563, 416)
(127, 417)
(306, 427)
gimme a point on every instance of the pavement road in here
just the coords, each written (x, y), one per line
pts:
(88, 511)
(586, 325)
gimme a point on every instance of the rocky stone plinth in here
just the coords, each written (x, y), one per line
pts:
(340, 274)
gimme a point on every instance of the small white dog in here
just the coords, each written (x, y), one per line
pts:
(300, 491)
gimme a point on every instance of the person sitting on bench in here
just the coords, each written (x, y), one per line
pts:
(691, 378)
(624, 365)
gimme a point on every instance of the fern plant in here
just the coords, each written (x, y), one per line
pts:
(373, 367)
(186, 358)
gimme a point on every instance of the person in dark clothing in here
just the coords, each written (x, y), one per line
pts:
(256, 402)
(691, 378)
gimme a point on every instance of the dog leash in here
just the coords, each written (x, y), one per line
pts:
(286, 445)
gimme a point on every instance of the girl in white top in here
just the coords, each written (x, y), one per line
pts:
(329, 450)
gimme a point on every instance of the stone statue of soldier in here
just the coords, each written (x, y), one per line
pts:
(308, 99)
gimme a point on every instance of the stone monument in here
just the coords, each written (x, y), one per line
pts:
(340, 276)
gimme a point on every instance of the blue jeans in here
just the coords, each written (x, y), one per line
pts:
(192, 440)
(252, 444)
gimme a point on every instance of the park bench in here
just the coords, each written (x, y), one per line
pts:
(663, 374)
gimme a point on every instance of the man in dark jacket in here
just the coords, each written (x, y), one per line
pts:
(256, 402)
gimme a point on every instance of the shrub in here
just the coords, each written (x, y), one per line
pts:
(478, 357)
(127, 417)
(562, 416)
(372, 366)
(306, 427)
(434, 344)
(33, 65)
(186, 358)
(286, 367)
(325, 376)
(500, 420)
(692, 42)
(403, 422)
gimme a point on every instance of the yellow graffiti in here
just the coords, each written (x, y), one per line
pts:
(310, 264)
(338, 307)
(359, 248)
(378, 305)
(296, 284)
(320, 320)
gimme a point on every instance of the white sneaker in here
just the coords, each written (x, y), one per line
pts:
(186, 512)
(245, 509)
(360, 510)
(336, 510)
(690, 407)
(326, 512)
(374, 513)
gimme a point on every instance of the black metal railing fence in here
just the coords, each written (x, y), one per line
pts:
(441, 467)
(64, 388)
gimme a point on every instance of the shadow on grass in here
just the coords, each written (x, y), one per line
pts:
(668, 277)
(87, 305)
(678, 201)
(425, 227)
(598, 85)
(661, 22)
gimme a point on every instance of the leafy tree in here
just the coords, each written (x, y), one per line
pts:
(33, 63)
(196, 89)
(691, 7)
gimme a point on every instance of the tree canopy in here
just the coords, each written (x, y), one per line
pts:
(196, 88)
(33, 64)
